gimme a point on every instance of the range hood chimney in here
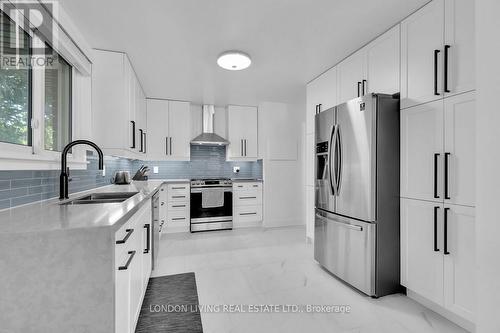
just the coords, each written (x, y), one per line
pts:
(208, 137)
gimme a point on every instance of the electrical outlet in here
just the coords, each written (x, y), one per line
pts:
(236, 169)
(156, 169)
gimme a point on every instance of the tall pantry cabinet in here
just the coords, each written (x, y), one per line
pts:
(438, 156)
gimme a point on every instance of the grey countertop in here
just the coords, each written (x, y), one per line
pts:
(51, 216)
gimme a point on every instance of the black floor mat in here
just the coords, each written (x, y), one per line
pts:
(170, 305)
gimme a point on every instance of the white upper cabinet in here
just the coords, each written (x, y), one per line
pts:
(117, 97)
(169, 130)
(351, 76)
(382, 70)
(460, 152)
(422, 151)
(321, 95)
(421, 55)
(437, 52)
(179, 130)
(459, 46)
(242, 132)
(373, 69)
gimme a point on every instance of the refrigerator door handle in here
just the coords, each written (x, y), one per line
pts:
(338, 159)
(331, 151)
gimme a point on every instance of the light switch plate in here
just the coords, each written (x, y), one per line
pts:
(155, 169)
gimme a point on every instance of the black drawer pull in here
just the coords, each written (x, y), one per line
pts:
(148, 237)
(179, 188)
(132, 254)
(127, 236)
(178, 218)
(246, 214)
(178, 206)
(178, 196)
(248, 197)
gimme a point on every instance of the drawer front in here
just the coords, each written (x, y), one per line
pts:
(247, 186)
(178, 196)
(248, 214)
(178, 217)
(174, 206)
(248, 198)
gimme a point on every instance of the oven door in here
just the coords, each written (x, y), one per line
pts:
(216, 214)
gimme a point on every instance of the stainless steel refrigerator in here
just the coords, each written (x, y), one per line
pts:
(357, 193)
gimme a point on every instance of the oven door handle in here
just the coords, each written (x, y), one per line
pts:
(200, 190)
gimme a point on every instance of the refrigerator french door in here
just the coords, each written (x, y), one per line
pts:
(357, 193)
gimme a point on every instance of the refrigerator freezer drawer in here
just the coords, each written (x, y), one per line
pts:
(346, 248)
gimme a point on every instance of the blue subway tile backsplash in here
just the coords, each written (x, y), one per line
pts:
(20, 187)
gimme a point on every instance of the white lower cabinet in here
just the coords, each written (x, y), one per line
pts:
(133, 260)
(247, 204)
(437, 254)
(175, 214)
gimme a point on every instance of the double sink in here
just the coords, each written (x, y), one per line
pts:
(100, 198)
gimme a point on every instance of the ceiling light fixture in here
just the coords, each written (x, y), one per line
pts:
(234, 60)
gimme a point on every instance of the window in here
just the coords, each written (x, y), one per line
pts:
(15, 83)
(57, 109)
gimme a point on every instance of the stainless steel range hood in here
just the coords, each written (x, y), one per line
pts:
(208, 137)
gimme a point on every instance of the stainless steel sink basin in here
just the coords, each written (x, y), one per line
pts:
(98, 198)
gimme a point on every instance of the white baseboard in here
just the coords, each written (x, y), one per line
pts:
(464, 323)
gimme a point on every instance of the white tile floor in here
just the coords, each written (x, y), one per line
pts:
(276, 266)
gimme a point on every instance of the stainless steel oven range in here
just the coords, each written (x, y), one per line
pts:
(211, 204)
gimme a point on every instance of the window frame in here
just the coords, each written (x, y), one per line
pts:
(29, 157)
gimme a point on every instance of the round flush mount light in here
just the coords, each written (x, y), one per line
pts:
(234, 60)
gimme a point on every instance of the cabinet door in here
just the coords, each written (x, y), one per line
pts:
(421, 140)
(133, 143)
(421, 264)
(350, 73)
(459, 264)
(135, 267)
(460, 146)
(326, 86)
(179, 130)
(383, 63)
(242, 130)
(157, 111)
(122, 296)
(459, 36)
(422, 34)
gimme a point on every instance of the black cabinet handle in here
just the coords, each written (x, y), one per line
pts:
(133, 134)
(359, 89)
(178, 196)
(148, 238)
(132, 254)
(127, 236)
(446, 54)
(141, 132)
(170, 145)
(319, 107)
(246, 214)
(364, 87)
(446, 231)
(166, 146)
(436, 209)
(145, 142)
(248, 197)
(436, 156)
(179, 206)
(436, 56)
(178, 218)
(446, 175)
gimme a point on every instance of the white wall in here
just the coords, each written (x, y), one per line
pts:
(488, 165)
(280, 146)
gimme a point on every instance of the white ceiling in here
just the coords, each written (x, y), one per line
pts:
(174, 44)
